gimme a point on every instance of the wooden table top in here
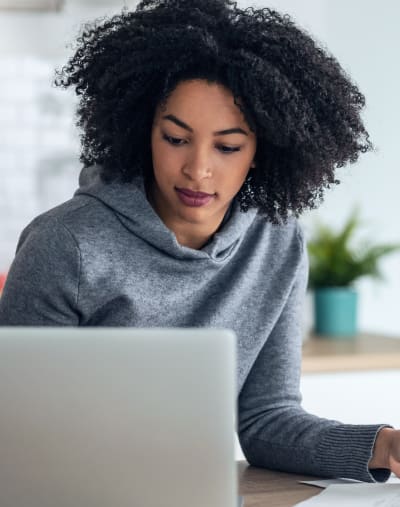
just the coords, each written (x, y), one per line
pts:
(267, 488)
(364, 352)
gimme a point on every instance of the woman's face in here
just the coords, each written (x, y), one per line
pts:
(202, 150)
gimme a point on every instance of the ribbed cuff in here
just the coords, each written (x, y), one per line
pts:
(346, 450)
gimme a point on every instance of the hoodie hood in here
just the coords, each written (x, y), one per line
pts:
(129, 202)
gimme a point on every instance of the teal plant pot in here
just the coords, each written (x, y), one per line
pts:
(336, 312)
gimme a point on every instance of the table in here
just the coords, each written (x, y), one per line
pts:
(267, 488)
(364, 352)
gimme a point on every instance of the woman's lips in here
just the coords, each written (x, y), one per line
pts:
(193, 199)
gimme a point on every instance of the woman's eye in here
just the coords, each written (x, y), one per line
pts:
(175, 141)
(228, 149)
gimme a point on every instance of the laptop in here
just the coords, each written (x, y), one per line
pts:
(117, 417)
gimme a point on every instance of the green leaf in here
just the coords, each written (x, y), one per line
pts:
(334, 263)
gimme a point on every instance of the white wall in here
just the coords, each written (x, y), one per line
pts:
(365, 39)
(47, 34)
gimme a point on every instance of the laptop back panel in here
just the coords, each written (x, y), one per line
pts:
(117, 417)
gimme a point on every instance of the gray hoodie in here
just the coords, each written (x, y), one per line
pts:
(104, 258)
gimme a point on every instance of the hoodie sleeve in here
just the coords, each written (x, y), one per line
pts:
(275, 432)
(43, 281)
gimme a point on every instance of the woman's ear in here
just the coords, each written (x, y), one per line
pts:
(252, 165)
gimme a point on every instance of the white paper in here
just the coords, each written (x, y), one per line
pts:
(324, 483)
(356, 495)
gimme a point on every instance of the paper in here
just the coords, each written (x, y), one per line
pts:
(356, 495)
(324, 483)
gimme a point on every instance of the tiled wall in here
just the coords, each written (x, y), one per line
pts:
(38, 147)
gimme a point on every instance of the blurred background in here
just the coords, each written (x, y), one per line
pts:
(39, 145)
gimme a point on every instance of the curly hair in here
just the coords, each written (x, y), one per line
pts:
(303, 107)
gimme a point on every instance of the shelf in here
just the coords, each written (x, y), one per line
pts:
(364, 352)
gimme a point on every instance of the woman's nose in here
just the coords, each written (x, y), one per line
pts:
(198, 165)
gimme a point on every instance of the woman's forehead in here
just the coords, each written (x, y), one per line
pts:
(200, 100)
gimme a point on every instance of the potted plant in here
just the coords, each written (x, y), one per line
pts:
(335, 264)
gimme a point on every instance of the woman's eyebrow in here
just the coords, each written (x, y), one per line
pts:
(180, 123)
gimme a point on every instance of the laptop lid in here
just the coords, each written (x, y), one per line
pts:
(117, 417)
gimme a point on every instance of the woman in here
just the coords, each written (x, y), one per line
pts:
(206, 131)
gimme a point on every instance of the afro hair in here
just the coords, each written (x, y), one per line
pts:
(303, 107)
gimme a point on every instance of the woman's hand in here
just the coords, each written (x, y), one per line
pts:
(386, 452)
